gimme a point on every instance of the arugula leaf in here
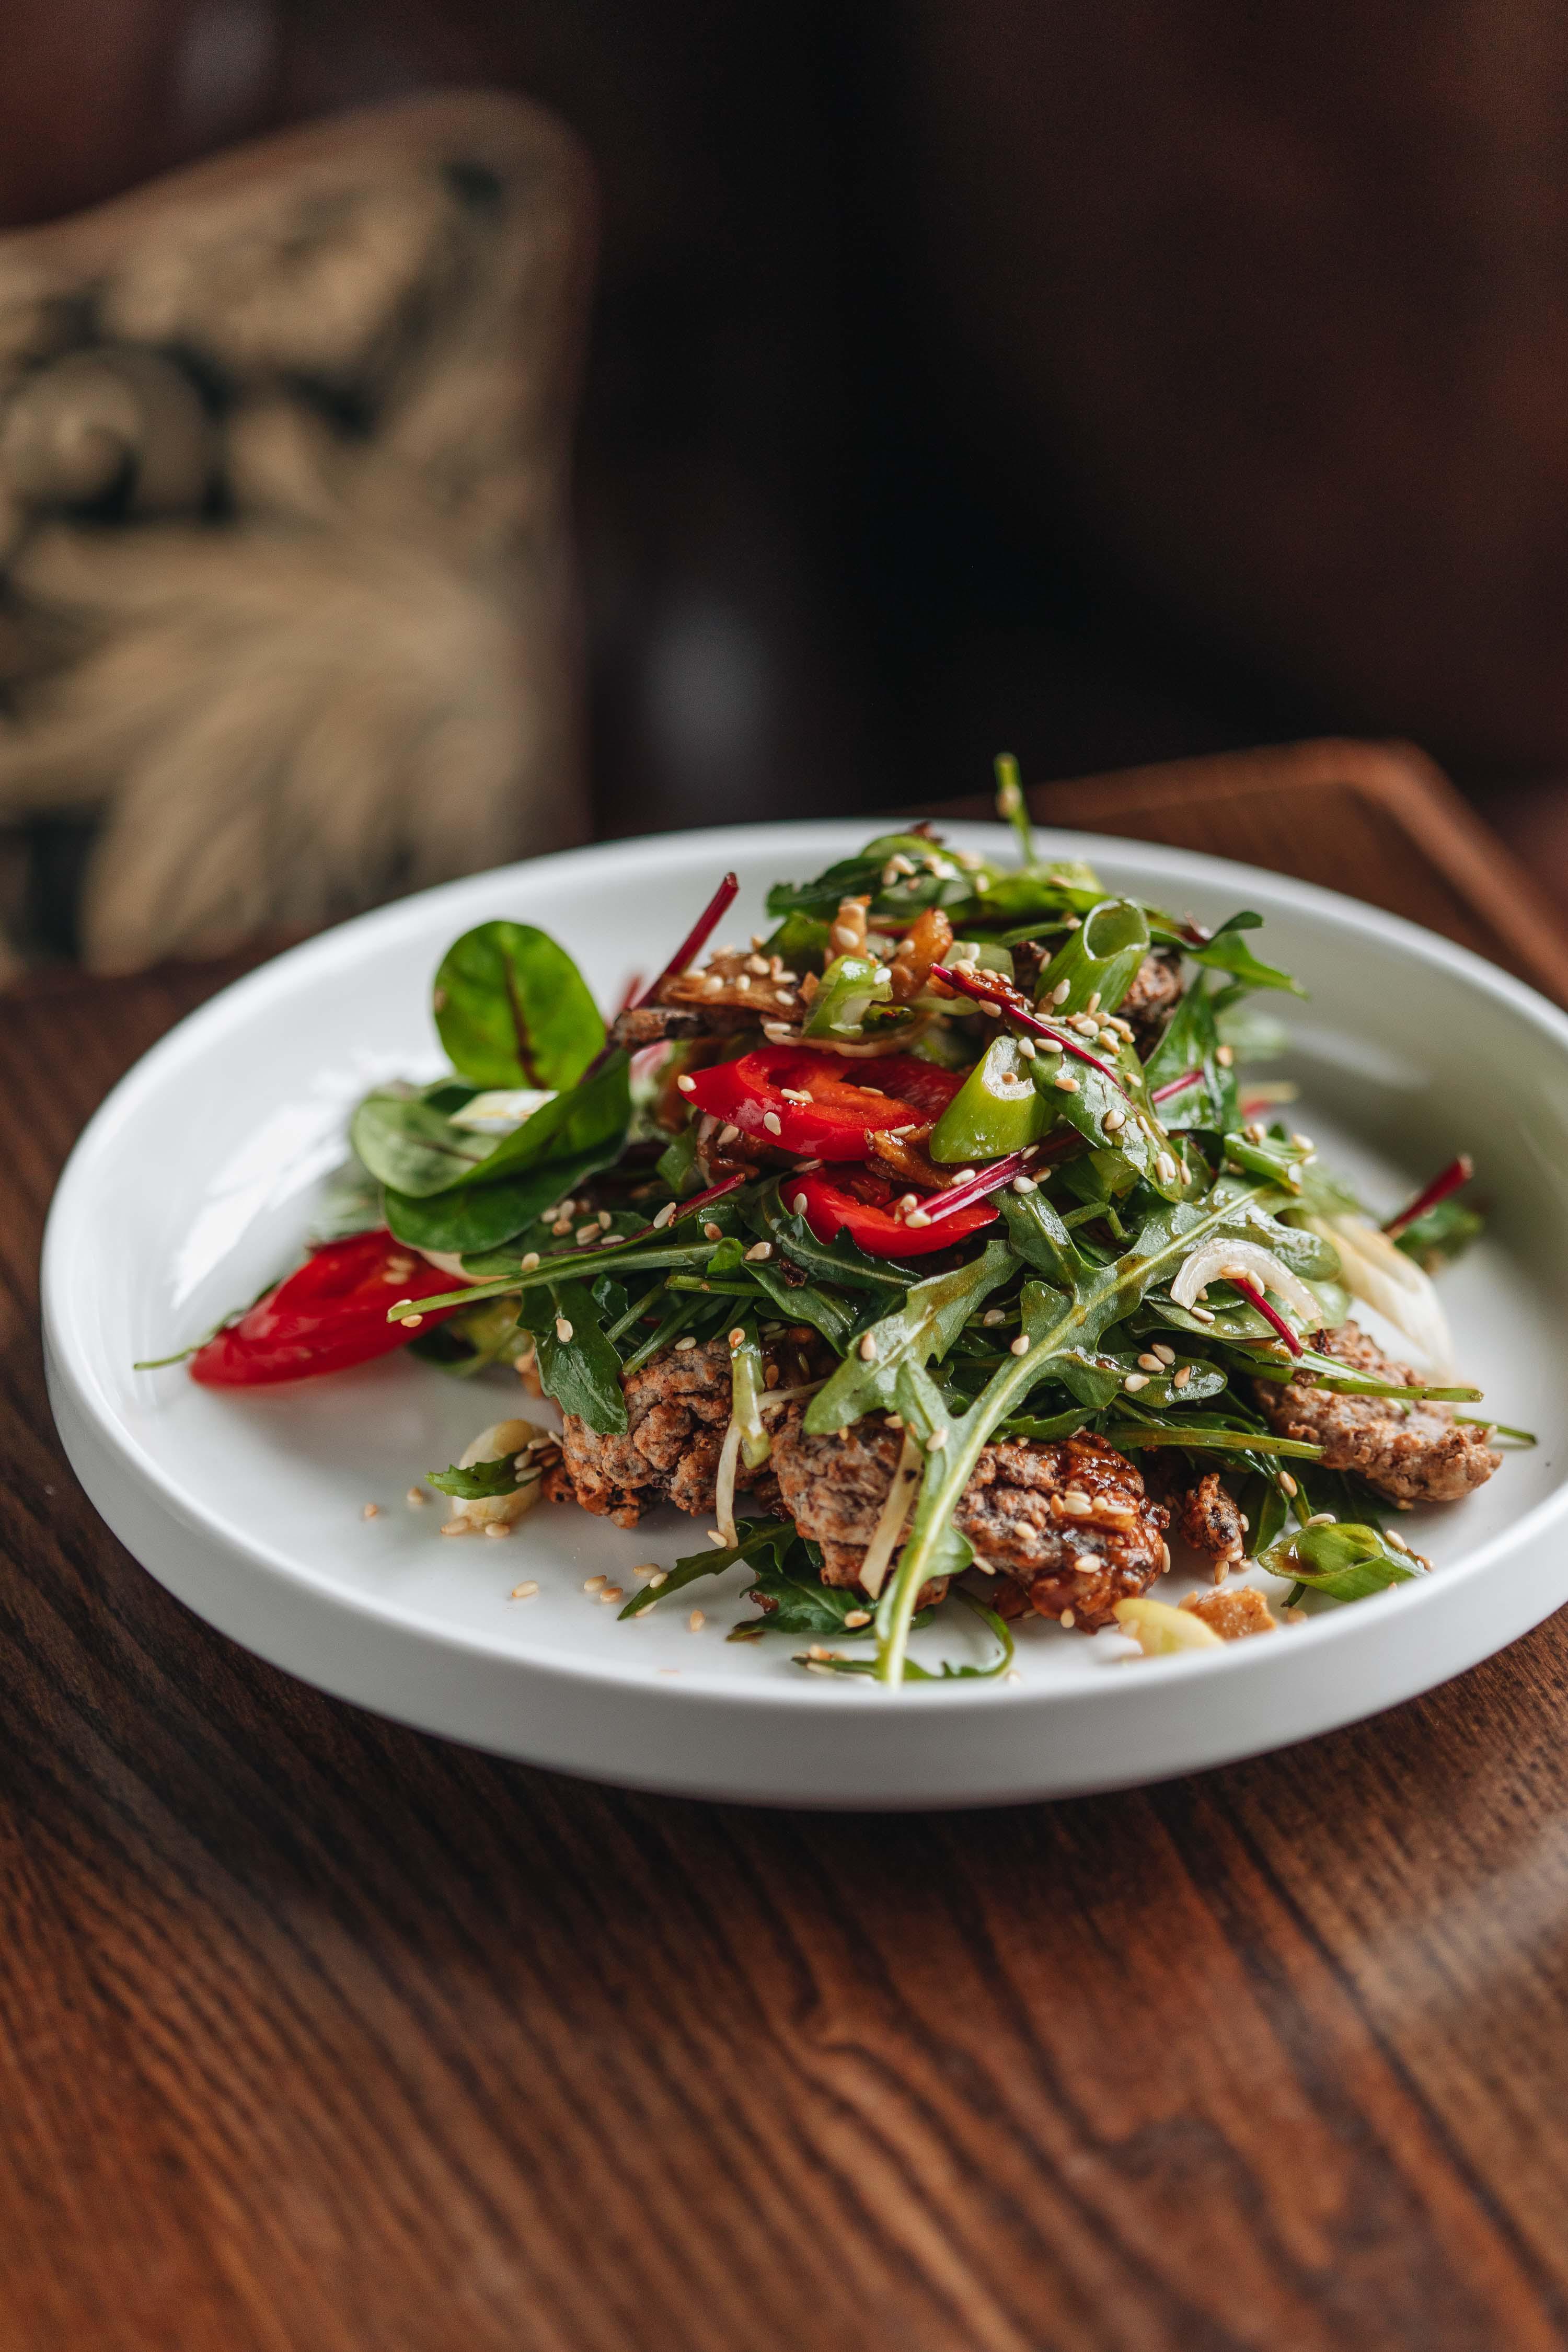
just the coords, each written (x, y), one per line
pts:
(1228, 951)
(803, 1603)
(583, 1371)
(931, 1316)
(759, 1540)
(513, 1010)
(945, 1673)
(481, 1480)
(1342, 1558)
(1191, 1042)
(1085, 1308)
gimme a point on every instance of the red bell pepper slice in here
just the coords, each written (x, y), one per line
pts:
(843, 1109)
(865, 1214)
(328, 1315)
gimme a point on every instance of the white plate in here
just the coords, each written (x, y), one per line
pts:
(192, 1185)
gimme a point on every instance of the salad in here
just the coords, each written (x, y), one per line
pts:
(932, 1248)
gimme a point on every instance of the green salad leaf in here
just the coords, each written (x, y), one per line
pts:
(513, 1010)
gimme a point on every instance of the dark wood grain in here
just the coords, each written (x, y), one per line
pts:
(319, 2036)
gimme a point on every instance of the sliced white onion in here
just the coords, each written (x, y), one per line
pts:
(890, 1524)
(1375, 1271)
(724, 1483)
(496, 1444)
(1216, 1261)
(503, 1111)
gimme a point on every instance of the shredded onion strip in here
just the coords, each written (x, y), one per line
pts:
(1215, 1260)
(1386, 1280)
(890, 1524)
(724, 1483)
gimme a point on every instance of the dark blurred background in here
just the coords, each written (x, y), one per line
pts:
(1109, 384)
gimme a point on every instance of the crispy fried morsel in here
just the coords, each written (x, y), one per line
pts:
(928, 939)
(733, 990)
(834, 1489)
(1149, 1003)
(651, 1024)
(1210, 1520)
(1412, 1453)
(678, 1408)
(1234, 1612)
(1024, 1513)
(1069, 1522)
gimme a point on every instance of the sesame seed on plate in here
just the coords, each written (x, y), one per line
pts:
(595, 1584)
(417, 1498)
(696, 1622)
(526, 1591)
(371, 1511)
(497, 1527)
(612, 1592)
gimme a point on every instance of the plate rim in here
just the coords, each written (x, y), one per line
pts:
(849, 1696)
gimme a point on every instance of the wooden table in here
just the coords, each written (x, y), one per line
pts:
(317, 2034)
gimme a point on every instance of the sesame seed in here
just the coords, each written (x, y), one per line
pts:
(729, 1133)
(1136, 1380)
(1322, 1519)
(1061, 991)
(1047, 1044)
(772, 1376)
(1027, 1048)
(612, 1592)
(992, 1011)
(992, 1317)
(1150, 1363)
(894, 1420)
(936, 1441)
(1165, 1355)
(1067, 1083)
(1020, 1346)
(687, 1086)
(497, 1526)
(1091, 1004)
(771, 1122)
(1184, 1375)
(919, 1217)
(1076, 1502)
(858, 1617)
(1068, 1618)
(759, 1252)
(1165, 1167)
(563, 1327)
(411, 1322)
(1303, 1142)
(586, 1234)
(660, 1576)
(1288, 1482)
(687, 1342)
(799, 1205)
(595, 1584)
(1112, 1120)
(417, 1498)
(869, 1347)
(1025, 1184)
(525, 1591)
(371, 1511)
(456, 1527)
(737, 1335)
(696, 1622)
(1200, 1313)
(1012, 1675)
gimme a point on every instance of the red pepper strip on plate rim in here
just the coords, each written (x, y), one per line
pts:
(327, 1315)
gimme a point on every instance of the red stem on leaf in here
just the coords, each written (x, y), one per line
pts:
(1176, 1086)
(1459, 1171)
(1016, 1010)
(1253, 1297)
(702, 931)
(991, 1178)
